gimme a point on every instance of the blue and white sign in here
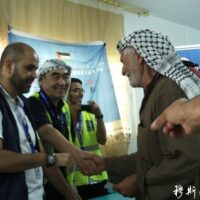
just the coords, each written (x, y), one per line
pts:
(191, 52)
(89, 63)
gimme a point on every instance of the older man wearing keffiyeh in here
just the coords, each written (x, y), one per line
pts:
(161, 165)
(159, 54)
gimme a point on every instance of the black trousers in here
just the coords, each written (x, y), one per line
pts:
(92, 190)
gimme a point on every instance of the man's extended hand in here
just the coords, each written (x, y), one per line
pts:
(171, 120)
(86, 163)
(128, 187)
(63, 159)
(97, 160)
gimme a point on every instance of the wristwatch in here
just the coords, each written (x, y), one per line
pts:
(50, 160)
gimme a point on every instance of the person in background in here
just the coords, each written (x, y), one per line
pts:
(51, 116)
(21, 153)
(87, 131)
(182, 117)
(162, 168)
(192, 66)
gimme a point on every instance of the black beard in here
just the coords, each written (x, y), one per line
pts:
(18, 83)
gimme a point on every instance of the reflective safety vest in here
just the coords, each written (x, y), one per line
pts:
(64, 110)
(88, 143)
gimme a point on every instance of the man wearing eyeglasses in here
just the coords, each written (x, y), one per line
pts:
(51, 115)
(88, 130)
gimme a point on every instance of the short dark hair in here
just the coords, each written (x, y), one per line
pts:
(76, 80)
(15, 50)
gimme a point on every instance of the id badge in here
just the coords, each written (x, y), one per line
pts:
(38, 173)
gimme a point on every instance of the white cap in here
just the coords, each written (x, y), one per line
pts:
(51, 65)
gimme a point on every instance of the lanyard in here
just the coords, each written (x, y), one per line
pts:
(24, 125)
(58, 120)
(60, 117)
(78, 130)
(44, 99)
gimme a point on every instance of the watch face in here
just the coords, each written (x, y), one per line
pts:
(51, 160)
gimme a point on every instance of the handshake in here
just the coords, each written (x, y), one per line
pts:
(95, 164)
(88, 163)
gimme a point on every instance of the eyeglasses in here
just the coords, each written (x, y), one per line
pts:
(78, 90)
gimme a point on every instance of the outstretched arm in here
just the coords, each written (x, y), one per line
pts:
(51, 135)
(15, 162)
(172, 120)
(54, 137)
(118, 167)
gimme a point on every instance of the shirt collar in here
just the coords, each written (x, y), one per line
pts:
(149, 89)
(60, 102)
(16, 101)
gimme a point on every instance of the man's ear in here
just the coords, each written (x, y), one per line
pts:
(139, 58)
(9, 67)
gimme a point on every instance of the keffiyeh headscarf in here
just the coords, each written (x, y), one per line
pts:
(50, 65)
(160, 55)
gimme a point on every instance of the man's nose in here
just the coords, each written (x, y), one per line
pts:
(62, 81)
